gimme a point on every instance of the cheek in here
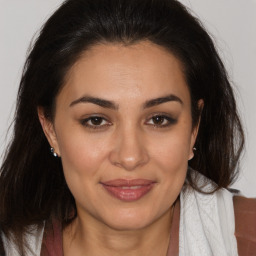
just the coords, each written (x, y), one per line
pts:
(83, 159)
(81, 153)
(170, 156)
(172, 164)
(172, 152)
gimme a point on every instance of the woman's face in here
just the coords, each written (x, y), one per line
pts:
(123, 130)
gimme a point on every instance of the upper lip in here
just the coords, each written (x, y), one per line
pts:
(127, 182)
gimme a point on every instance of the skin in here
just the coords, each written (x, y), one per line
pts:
(126, 144)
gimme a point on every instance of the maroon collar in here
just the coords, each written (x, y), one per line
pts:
(52, 241)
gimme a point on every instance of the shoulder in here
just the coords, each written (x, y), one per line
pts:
(32, 240)
(245, 227)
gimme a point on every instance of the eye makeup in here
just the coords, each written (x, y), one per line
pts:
(156, 120)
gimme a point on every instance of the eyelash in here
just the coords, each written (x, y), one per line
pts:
(170, 121)
(84, 122)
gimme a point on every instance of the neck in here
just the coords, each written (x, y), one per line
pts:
(90, 237)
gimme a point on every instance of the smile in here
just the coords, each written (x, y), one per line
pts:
(128, 190)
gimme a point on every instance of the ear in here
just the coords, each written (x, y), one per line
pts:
(200, 105)
(48, 129)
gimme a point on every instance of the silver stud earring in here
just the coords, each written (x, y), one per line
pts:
(194, 148)
(53, 153)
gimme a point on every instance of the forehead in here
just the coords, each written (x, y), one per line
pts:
(114, 71)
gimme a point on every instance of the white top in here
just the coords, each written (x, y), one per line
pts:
(207, 222)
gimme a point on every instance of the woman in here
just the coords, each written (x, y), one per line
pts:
(126, 138)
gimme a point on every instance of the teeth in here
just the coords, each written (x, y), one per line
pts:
(131, 187)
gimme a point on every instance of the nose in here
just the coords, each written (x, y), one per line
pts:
(129, 151)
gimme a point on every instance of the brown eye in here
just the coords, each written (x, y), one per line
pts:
(96, 120)
(158, 120)
(161, 121)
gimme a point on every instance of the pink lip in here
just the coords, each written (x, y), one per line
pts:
(128, 190)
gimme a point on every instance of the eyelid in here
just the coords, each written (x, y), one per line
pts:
(171, 120)
(168, 117)
(84, 121)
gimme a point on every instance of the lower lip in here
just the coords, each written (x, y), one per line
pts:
(129, 194)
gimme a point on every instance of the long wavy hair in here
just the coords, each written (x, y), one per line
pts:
(32, 185)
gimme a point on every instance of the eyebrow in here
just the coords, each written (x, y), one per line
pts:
(100, 102)
(111, 105)
(161, 100)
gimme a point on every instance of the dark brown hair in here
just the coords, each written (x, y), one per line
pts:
(32, 184)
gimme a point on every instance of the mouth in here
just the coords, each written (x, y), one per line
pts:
(128, 190)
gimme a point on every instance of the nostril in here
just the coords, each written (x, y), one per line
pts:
(129, 161)
(129, 150)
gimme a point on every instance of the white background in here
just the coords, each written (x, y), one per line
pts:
(231, 22)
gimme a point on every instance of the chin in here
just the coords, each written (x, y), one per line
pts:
(129, 220)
